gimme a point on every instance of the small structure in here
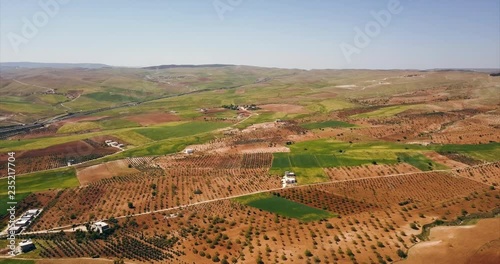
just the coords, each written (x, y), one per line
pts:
(26, 215)
(288, 178)
(33, 211)
(15, 230)
(26, 245)
(99, 227)
(22, 222)
(189, 151)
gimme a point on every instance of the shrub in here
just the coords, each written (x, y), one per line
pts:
(401, 253)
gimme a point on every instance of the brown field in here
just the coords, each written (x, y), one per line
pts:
(57, 156)
(368, 171)
(74, 261)
(104, 171)
(471, 244)
(441, 159)
(180, 208)
(488, 174)
(230, 230)
(153, 118)
(284, 108)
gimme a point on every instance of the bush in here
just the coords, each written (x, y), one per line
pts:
(308, 253)
(401, 253)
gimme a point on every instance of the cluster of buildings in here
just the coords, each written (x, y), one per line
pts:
(24, 221)
(111, 143)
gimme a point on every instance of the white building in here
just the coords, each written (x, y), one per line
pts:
(15, 229)
(289, 177)
(99, 227)
(26, 245)
(189, 151)
(32, 211)
(22, 222)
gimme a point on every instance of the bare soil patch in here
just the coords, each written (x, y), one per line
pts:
(153, 118)
(459, 244)
(444, 160)
(284, 108)
(103, 171)
(57, 156)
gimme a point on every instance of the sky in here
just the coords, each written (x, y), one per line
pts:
(305, 34)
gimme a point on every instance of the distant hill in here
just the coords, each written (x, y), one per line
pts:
(159, 67)
(52, 65)
(485, 70)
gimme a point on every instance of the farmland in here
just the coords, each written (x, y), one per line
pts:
(284, 207)
(199, 177)
(39, 182)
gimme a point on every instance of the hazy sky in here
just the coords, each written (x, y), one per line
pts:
(280, 33)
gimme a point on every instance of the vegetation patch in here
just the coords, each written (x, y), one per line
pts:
(464, 219)
(39, 181)
(386, 111)
(179, 130)
(486, 152)
(117, 123)
(77, 127)
(110, 97)
(16, 261)
(284, 207)
(420, 161)
(331, 123)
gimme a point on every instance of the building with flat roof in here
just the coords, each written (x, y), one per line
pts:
(22, 222)
(99, 227)
(26, 245)
(32, 211)
(15, 229)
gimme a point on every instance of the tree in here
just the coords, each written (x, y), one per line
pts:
(131, 205)
(401, 253)
(308, 253)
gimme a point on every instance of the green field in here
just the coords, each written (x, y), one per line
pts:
(77, 127)
(175, 129)
(16, 261)
(162, 147)
(38, 181)
(386, 111)
(421, 162)
(110, 97)
(486, 152)
(284, 207)
(325, 124)
(117, 123)
(325, 153)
